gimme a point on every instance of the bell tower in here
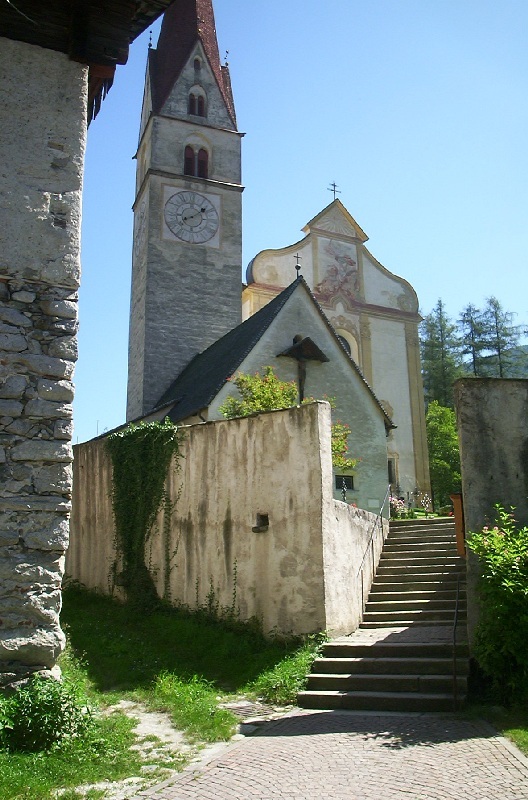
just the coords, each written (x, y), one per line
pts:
(187, 253)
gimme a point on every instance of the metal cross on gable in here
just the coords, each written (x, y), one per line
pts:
(333, 188)
(298, 259)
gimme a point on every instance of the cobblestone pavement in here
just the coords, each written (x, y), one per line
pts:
(338, 755)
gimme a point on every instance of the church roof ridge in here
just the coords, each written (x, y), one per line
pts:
(184, 23)
(203, 377)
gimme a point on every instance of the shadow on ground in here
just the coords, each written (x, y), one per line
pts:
(394, 731)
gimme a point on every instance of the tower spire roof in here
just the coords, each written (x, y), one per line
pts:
(185, 22)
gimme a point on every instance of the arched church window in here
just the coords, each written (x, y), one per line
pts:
(196, 163)
(192, 104)
(200, 106)
(345, 343)
(203, 163)
(197, 65)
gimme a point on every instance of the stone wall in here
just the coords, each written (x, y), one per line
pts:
(253, 512)
(492, 420)
(42, 142)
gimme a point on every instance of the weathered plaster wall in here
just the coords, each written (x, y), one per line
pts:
(295, 575)
(492, 420)
(42, 142)
(352, 543)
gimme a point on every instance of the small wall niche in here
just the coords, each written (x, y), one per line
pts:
(262, 523)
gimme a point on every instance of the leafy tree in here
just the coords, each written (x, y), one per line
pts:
(267, 393)
(441, 361)
(444, 454)
(500, 336)
(472, 337)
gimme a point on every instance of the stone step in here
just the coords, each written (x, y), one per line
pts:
(410, 616)
(404, 603)
(414, 570)
(381, 595)
(405, 623)
(412, 582)
(440, 546)
(421, 534)
(424, 522)
(362, 682)
(392, 666)
(394, 649)
(410, 558)
(377, 701)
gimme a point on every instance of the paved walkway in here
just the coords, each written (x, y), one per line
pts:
(343, 755)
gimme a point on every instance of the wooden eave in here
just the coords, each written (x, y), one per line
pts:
(93, 32)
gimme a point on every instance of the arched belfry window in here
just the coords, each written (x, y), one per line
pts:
(197, 65)
(196, 162)
(196, 104)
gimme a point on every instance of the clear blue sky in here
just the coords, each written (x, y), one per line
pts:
(416, 108)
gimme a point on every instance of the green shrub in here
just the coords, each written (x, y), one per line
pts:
(501, 645)
(42, 715)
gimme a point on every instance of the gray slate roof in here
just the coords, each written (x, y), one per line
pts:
(201, 380)
(203, 377)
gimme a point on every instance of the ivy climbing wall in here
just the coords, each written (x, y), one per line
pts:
(247, 524)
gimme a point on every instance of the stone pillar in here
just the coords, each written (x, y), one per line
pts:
(42, 143)
(492, 416)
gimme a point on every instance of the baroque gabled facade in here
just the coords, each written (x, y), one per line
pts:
(376, 315)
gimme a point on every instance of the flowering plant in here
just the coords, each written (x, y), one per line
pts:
(397, 507)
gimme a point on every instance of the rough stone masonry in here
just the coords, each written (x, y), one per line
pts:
(42, 143)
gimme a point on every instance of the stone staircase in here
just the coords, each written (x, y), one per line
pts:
(404, 656)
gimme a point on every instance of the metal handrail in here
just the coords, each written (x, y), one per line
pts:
(374, 525)
(455, 622)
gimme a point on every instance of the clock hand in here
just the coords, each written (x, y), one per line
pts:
(191, 216)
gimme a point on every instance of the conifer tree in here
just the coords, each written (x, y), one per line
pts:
(472, 337)
(440, 350)
(500, 336)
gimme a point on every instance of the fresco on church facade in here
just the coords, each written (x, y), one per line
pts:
(339, 270)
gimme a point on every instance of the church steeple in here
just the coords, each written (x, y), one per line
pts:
(186, 273)
(185, 23)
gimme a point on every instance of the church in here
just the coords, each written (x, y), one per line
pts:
(346, 328)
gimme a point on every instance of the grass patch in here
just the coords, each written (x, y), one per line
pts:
(125, 651)
(170, 660)
(510, 722)
(193, 707)
(104, 755)
(281, 683)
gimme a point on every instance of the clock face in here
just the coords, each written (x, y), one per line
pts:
(191, 217)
